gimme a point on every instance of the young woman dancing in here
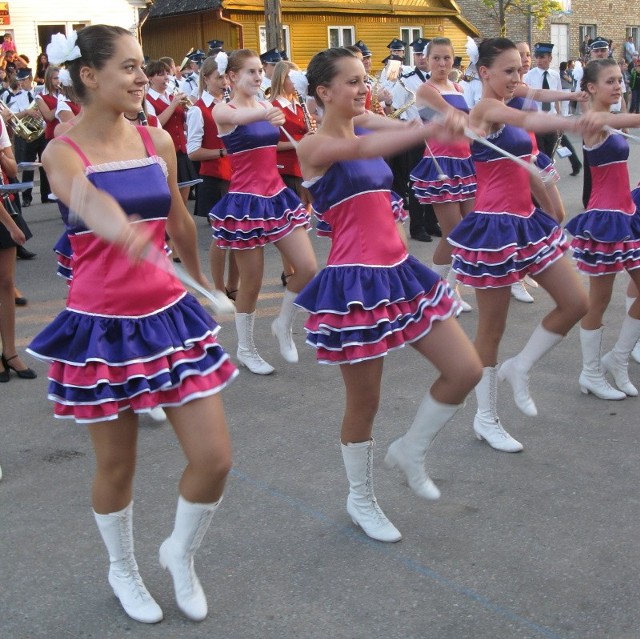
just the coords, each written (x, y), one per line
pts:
(506, 238)
(204, 146)
(373, 297)
(445, 176)
(606, 237)
(259, 209)
(131, 337)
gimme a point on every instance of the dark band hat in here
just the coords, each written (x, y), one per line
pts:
(599, 43)
(396, 45)
(363, 48)
(419, 45)
(541, 48)
(284, 56)
(272, 56)
(457, 61)
(215, 44)
(23, 74)
(393, 57)
(197, 56)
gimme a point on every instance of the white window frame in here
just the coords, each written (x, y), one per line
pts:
(635, 32)
(411, 33)
(589, 30)
(341, 29)
(286, 39)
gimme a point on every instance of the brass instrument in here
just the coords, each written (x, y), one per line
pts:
(309, 122)
(375, 102)
(412, 100)
(186, 102)
(28, 127)
(226, 94)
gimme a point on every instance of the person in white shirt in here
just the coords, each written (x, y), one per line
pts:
(269, 60)
(629, 49)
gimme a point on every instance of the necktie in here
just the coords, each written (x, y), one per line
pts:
(546, 106)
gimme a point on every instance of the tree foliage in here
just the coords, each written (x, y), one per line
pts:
(539, 10)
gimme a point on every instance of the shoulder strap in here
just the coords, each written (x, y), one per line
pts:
(147, 141)
(76, 148)
(420, 74)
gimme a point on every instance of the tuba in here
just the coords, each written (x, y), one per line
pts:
(28, 127)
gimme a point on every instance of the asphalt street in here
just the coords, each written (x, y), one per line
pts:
(540, 544)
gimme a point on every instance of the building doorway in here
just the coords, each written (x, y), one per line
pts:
(560, 40)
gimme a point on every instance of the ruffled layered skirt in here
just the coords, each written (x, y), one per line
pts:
(498, 249)
(456, 183)
(244, 220)
(605, 242)
(363, 312)
(101, 365)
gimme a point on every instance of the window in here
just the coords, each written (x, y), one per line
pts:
(586, 31)
(286, 43)
(408, 35)
(341, 36)
(45, 31)
(634, 32)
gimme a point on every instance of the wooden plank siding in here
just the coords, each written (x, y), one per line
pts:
(308, 31)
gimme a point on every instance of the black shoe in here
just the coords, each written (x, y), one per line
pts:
(25, 373)
(26, 202)
(21, 301)
(23, 254)
(576, 170)
(421, 236)
(434, 231)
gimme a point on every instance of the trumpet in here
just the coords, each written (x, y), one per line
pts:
(186, 102)
(29, 127)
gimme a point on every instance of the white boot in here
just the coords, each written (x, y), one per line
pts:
(362, 505)
(449, 275)
(281, 327)
(592, 379)
(529, 281)
(616, 361)
(408, 453)
(247, 352)
(516, 370)
(635, 353)
(176, 555)
(520, 293)
(117, 533)
(486, 423)
(157, 414)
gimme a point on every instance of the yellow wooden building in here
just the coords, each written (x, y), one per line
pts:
(173, 27)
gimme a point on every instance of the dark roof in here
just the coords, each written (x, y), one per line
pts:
(161, 8)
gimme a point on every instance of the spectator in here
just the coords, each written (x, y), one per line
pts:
(7, 43)
(629, 50)
(585, 48)
(566, 83)
(634, 82)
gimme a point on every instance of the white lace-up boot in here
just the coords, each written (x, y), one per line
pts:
(408, 452)
(282, 326)
(116, 530)
(177, 551)
(486, 423)
(516, 370)
(247, 352)
(362, 505)
(592, 379)
(635, 353)
(616, 361)
(520, 293)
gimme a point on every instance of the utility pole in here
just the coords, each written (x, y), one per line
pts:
(273, 24)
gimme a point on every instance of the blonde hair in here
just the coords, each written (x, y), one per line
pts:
(280, 73)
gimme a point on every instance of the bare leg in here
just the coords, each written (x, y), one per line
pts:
(449, 216)
(600, 291)
(296, 249)
(251, 268)
(493, 308)
(8, 307)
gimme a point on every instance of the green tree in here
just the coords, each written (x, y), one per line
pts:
(539, 10)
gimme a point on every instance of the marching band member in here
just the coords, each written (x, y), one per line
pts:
(269, 60)
(506, 237)
(606, 236)
(445, 177)
(143, 340)
(259, 209)
(373, 297)
(205, 147)
(170, 111)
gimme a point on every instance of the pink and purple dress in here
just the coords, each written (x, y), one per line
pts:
(372, 296)
(458, 181)
(131, 337)
(541, 160)
(506, 236)
(259, 208)
(606, 237)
